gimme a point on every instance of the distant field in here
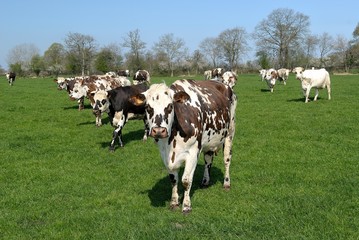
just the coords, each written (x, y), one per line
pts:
(294, 174)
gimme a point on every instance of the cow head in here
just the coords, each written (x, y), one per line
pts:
(102, 103)
(229, 78)
(159, 101)
(298, 72)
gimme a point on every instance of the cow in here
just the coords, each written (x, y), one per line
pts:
(185, 119)
(318, 79)
(229, 78)
(124, 73)
(217, 72)
(207, 74)
(68, 85)
(283, 75)
(120, 109)
(263, 73)
(141, 76)
(11, 78)
(87, 87)
(271, 77)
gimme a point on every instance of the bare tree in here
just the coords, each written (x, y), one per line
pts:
(21, 56)
(325, 45)
(137, 46)
(209, 48)
(282, 29)
(340, 48)
(310, 43)
(82, 47)
(233, 44)
(173, 50)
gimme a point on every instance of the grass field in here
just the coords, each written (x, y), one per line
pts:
(294, 174)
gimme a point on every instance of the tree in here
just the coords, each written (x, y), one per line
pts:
(108, 59)
(209, 48)
(340, 48)
(282, 30)
(309, 44)
(54, 58)
(233, 44)
(37, 64)
(83, 48)
(263, 59)
(325, 45)
(173, 50)
(136, 45)
(20, 56)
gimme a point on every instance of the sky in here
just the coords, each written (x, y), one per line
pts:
(44, 22)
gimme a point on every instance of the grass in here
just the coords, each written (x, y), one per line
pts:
(294, 172)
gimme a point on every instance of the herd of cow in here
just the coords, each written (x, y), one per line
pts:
(311, 78)
(186, 118)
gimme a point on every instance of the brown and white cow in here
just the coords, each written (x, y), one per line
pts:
(141, 76)
(89, 86)
(188, 118)
(11, 78)
(217, 72)
(120, 109)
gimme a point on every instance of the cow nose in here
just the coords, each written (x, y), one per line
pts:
(159, 132)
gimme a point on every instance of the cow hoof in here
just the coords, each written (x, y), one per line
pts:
(227, 187)
(174, 207)
(112, 149)
(186, 210)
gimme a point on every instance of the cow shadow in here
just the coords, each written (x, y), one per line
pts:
(127, 137)
(160, 193)
(296, 100)
(265, 90)
(76, 107)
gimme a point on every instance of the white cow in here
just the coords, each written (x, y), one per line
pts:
(207, 74)
(263, 73)
(283, 75)
(317, 79)
(271, 77)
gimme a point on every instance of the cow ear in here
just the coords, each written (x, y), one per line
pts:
(181, 97)
(138, 99)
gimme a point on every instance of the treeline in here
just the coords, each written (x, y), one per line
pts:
(283, 39)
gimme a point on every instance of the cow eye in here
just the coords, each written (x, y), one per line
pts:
(103, 102)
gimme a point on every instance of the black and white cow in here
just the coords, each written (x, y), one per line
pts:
(11, 77)
(141, 76)
(188, 118)
(120, 109)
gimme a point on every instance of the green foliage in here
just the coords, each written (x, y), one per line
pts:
(294, 172)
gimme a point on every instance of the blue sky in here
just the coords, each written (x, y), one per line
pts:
(43, 22)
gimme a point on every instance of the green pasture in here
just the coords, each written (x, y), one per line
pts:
(294, 174)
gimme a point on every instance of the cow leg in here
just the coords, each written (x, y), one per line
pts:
(208, 159)
(117, 133)
(174, 198)
(227, 157)
(98, 115)
(307, 94)
(187, 180)
(328, 89)
(81, 104)
(316, 94)
(147, 130)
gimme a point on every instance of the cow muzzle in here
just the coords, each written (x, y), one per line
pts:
(159, 132)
